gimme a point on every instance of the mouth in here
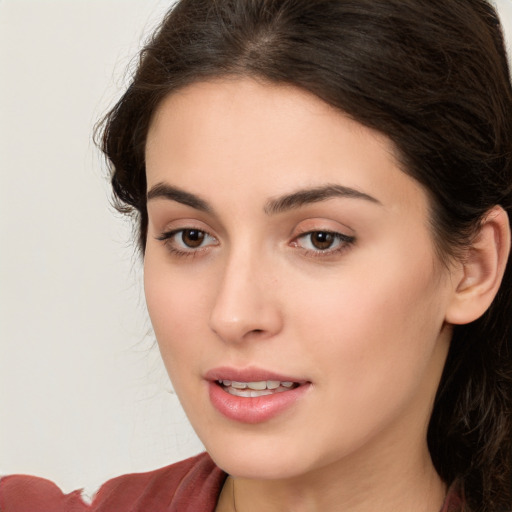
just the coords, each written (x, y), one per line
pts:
(256, 389)
(253, 395)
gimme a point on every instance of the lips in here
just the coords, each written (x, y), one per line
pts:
(253, 395)
(252, 374)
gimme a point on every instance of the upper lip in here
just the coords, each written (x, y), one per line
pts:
(251, 374)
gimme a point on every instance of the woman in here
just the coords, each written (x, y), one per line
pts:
(323, 192)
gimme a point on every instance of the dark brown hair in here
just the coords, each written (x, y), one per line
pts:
(432, 75)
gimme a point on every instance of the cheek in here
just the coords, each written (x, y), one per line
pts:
(176, 306)
(372, 341)
(376, 323)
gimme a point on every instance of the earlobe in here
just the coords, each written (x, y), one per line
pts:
(482, 269)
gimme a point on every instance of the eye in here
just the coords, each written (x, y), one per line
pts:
(323, 241)
(192, 238)
(187, 240)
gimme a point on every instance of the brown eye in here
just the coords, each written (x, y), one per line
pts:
(322, 240)
(187, 241)
(192, 238)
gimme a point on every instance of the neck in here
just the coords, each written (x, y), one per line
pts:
(390, 488)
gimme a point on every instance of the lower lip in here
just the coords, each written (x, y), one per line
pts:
(253, 409)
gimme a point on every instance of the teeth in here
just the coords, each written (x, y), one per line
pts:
(262, 385)
(249, 393)
(257, 385)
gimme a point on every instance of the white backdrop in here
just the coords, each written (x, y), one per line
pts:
(83, 395)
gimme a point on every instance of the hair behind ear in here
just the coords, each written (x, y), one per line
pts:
(470, 432)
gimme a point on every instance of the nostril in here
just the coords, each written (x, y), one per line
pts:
(236, 317)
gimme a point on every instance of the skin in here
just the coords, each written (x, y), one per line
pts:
(363, 322)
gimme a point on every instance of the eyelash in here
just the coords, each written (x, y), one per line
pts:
(344, 242)
(167, 239)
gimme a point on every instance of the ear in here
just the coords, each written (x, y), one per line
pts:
(481, 270)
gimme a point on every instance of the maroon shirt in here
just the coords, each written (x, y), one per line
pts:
(192, 485)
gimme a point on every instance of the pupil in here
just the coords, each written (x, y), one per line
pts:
(192, 237)
(322, 240)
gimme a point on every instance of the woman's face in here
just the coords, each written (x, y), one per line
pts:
(291, 280)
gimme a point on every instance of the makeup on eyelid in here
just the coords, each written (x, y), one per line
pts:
(320, 242)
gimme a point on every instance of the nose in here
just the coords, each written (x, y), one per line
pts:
(246, 303)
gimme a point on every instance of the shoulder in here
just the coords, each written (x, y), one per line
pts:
(190, 485)
(23, 493)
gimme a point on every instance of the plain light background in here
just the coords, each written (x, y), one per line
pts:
(83, 394)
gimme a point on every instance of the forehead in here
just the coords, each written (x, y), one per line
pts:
(264, 137)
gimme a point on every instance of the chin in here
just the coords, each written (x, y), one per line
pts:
(262, 466)
(262, 457)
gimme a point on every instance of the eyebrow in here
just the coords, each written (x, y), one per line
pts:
(273, 206)
(314, 195)
(165, 191)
